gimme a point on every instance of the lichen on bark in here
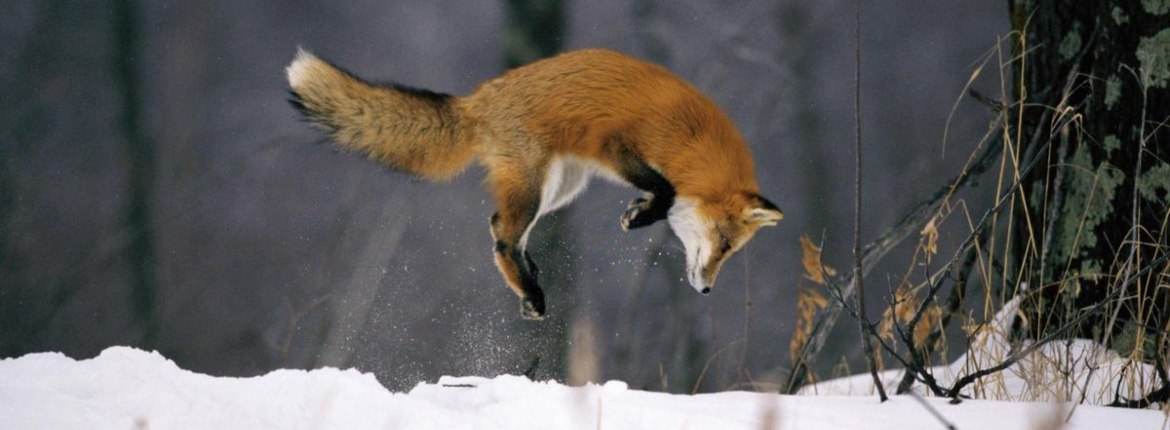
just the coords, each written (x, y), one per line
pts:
(1119, 16)
(1111, 143)
(1156, 7)
(1112, 91)
(1070, 45)
(1154, 180)
(1089, 201)
(1154, 55)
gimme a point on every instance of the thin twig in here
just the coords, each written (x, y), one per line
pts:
(862, 320)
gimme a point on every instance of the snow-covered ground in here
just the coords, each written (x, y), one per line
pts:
(125, 388)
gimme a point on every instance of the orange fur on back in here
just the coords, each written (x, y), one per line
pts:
(579, 102)
(575, 103)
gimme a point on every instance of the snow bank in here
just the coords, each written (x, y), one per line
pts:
(125, 388)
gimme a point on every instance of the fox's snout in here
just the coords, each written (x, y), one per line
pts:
(698, 281)
(703, 284)
(704, 274)
(705, 247)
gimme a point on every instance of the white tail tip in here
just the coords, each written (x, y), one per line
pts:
(298, 70)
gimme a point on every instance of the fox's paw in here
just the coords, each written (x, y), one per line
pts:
(532, 308)
(629, 219)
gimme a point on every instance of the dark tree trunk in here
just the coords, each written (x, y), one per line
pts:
(1094, 80)
(140, 152)
(535, 30)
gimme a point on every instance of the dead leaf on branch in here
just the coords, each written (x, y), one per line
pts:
(810, 256)
(929, 235)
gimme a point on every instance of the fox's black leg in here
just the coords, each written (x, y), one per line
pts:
(517, 207)
(659, 197)
(644, 211)
(630, 217)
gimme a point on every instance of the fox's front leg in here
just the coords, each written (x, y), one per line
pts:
(655, 204)
(644, 211)
(517, 207)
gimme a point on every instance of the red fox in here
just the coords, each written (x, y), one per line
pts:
(542, 131)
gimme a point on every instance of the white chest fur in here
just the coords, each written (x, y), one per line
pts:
(564, 180)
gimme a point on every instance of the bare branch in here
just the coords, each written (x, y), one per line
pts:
(954, 301)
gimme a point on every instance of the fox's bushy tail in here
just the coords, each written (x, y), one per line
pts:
(413, 130)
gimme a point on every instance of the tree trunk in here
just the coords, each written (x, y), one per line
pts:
(535, 30)
(1093, 80)
(140, 152)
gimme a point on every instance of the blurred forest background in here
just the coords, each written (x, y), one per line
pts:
(156, 190)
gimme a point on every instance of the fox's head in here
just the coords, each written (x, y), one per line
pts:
(712, 229)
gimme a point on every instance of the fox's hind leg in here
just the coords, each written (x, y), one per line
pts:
(517, 203)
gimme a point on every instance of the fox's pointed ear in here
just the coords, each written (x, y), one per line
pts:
(763, 212)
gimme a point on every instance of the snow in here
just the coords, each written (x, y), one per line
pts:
(125, 388)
